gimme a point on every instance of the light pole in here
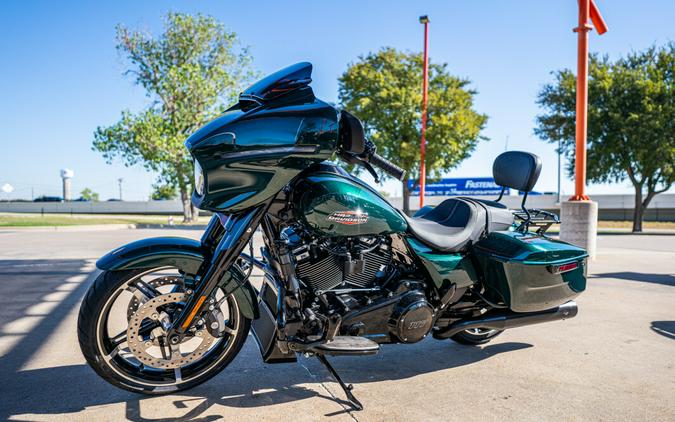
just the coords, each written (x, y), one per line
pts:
(559, 162)
(587, 9)
(119, 181)
(425, 84)
(579, 214)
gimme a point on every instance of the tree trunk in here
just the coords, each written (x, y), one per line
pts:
(195, 213)
(406, 197)
(651, 193)
(187, 205)
(638, 211)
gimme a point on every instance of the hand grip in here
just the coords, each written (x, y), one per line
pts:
(387, 166)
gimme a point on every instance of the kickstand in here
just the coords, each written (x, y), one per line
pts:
(346, 388)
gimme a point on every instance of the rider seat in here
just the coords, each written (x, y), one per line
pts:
(457, 223)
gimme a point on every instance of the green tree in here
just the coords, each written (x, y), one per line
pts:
(631, 121)
(163, 192)
(189, 71)
(89, 195)
(384, 90)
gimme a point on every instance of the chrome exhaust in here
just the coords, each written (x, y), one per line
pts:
(510, 320)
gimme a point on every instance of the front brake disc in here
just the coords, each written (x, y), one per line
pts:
(138, 298)
(145, 347)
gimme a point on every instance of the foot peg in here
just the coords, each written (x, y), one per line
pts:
(346, 388)
(347, 346)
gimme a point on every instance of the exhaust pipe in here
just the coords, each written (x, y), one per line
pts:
(510, 320)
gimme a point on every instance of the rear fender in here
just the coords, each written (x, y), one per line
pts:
(185, 254)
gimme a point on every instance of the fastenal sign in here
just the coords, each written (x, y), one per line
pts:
(460, 186)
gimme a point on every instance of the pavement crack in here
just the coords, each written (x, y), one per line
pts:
(347, 409)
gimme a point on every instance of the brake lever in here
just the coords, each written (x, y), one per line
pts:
(359, 161)
(369, 150)
(371, 170)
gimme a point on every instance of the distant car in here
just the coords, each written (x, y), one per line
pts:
(48, 199)
(114, 200)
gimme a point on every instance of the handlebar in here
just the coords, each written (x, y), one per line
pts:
(369, 158)
(387, 166)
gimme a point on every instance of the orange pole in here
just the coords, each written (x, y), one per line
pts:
(425, 84)
(598, 22)
(582, 102)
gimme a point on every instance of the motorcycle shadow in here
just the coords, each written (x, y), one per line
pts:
(247, 383)
(664, 328)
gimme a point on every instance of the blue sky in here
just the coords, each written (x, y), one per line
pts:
(61, 76)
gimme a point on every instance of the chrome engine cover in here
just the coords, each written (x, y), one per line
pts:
(412, 318)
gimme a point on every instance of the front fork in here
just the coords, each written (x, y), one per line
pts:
(225, 238)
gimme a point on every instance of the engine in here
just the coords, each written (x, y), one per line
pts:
(360, 279)
(349, 264)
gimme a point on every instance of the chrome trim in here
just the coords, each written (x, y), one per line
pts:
(341, 291)
(308, 149)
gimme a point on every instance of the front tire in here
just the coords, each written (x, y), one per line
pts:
(108, 356)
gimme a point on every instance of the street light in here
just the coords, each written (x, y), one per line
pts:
(579, 214)
(424, 20)
(587, 10)
(119, 181)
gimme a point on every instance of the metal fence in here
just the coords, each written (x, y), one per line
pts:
(611, 207)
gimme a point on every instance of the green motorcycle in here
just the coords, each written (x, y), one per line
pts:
(343, 271)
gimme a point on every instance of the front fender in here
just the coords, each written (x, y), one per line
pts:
(185, 254)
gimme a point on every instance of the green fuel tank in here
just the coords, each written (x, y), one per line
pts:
(336, 204)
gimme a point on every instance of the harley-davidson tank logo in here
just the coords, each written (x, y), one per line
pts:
(349, 218)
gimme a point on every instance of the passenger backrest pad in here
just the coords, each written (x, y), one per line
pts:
(517, 170)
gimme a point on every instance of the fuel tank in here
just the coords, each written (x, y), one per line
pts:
(337, 204)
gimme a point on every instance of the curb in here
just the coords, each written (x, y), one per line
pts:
(168, 227)
(86, 228)
(648, 232)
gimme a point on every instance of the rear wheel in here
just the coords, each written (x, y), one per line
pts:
(122, 325)
(476, 336)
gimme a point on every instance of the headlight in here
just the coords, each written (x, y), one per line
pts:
(199, 179)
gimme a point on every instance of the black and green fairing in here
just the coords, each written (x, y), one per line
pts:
(277, 129)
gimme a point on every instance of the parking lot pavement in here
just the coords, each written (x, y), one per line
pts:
(615, 361)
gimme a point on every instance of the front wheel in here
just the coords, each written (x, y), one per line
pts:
(122, 323)
(476, 336)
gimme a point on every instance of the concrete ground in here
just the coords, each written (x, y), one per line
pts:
(615, 361)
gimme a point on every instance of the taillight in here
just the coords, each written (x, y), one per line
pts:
(559, 269)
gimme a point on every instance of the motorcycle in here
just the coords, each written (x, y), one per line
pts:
(343, 271)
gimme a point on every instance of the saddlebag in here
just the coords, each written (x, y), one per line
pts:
(530, 272)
